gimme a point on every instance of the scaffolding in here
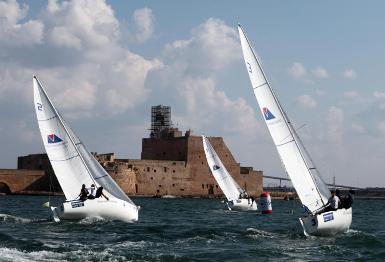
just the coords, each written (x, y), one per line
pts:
(160, 120)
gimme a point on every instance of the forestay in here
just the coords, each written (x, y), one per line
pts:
(228, 185)
(310, 188)
(72, 162)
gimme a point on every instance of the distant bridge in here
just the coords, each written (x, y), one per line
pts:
(330, 185)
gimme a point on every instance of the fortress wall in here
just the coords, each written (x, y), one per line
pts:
(178, 167)
(168, 148)
(19, 181)
(158, 177)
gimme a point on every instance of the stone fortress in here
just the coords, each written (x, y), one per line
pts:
(171, 164)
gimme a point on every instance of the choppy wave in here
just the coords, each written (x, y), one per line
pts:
(92, 220)
(183, 230)
(14, 219)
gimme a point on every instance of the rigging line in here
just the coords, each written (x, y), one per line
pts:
(290, 134)
(282, 111)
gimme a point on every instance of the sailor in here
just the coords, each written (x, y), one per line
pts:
(99, 192)
(92, 191)
(338, 194)
(333, 202)
(348, 200)
(250, 198)
(83, 193)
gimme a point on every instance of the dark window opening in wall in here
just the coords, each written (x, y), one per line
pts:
(148, 169)
(151, 178)
(174, 163)
(182, 189)
(173, 171)
(157, 191)
(136, 188)
(216, 186)
(202, 163)
(159, 185)
(211, 190)
(203, 186)
(173, 185)
(165, 169)
(199, 156)
(154, 170)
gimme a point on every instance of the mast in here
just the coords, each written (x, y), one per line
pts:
(285, 118)
(66, 130)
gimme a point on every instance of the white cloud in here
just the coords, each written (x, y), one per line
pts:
(191, 68)
(381, 128)
(351, 94)
(306, 101)
(350, 73)
(320, 92)
(379, 94)
(334, 120)
(144, 22)
(358, 128)
(88, 70)
(320, 72)
(213, 46)
(16, 34)
(297, 70)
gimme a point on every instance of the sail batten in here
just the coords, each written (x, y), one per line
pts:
(310, 187)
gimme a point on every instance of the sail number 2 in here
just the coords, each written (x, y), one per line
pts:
(39, 106)
(249, 68)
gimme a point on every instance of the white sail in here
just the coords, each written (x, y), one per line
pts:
(71, 161)
(225, 181)
(310, 188)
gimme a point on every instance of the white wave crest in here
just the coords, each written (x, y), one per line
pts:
(10, 218)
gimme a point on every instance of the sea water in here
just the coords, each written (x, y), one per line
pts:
(184, 230)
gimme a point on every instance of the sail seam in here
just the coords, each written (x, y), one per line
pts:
(46, 119)
(54, 160)
(285, 143)
(260, 85)
(99, 177)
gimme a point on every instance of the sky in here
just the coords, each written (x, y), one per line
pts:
(105, 63)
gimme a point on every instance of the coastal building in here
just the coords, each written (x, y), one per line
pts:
(172, 163)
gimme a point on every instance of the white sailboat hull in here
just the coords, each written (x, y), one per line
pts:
(113, 209)
(328, 223)
(242, 205)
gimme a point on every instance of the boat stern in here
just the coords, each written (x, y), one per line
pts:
(328, 223)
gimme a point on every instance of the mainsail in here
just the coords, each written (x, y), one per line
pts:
(73, 164)
(225, 181)
(310, 188)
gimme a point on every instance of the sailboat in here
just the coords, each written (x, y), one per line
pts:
(311, 189)
(74, 165)
(230, 188)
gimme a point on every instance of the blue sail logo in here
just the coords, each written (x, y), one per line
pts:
(268, 115)
(52, 139)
